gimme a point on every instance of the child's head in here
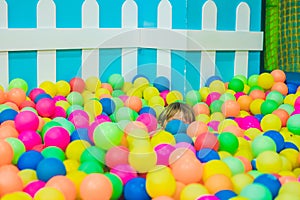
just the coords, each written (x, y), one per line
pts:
(176, 110)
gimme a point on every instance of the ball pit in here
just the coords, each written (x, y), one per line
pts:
(62, 139)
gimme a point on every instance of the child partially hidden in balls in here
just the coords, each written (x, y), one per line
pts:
(176, 110)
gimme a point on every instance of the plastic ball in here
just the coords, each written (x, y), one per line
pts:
(29, 160)
(124, 171)
(116, 184)
(270, 122)
(49, 193)
(217, 86)
(77, 84)
(91, 166)
(230, 108)
(218, 182)
(17, 147)
(161, 83)
(173, 96)
(278, 75)
(149, 120)
(240, 181)
(283, 116)
(64, 185)
(163, 152)
(225, 194)
(16, 96)
(292, 88)
(62, 88)
(192, 97)
(30, 139)
(136, 189)
(57, 136)
(262, 143)
(268, 162)
(10, 181)
(265, 80)
(116, 81)
(293, 124)
(211, 97)
(201, 108)
(256, 191)
(6, 153)
(50, 167)
(211, 79)
(134, 103)
(75, 98)
(207, 140)
(34, 186)
(193, 191)
(108, 105)
(17, 195)
(268, 106)
(206, 155)
(7, 114)
(277, 138)
(92, 83)
(236, 85)
(228, 142)
(147, 109)
(270, 181)
(53, 152)
(150, 92)
(26, 120)
(215, 167)
(176, 126)
(45, 107)
(280, 87)
(216, 106)
(290, 188)
(182, 137)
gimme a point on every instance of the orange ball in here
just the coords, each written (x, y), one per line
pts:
(107, 86)
(2, 97)
(201, 108)
(246, 162)
(9, 181)
(8, 131)
(280, 87)
(16, 95)
(283, 116)
(96, 186)
(231, 108)
(6, 153)
(278, 75)
(12, 105)
(133, 126)
(218, 182)
(237, 131)
(134, 102)
(245, 102)
(196, 128)
(257, 94)
(63, 184)
(179, 188)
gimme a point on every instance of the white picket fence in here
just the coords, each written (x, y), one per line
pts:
(46, 39)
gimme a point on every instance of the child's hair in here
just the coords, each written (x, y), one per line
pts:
(172, 109)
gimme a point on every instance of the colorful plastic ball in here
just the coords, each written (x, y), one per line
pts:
(236, 85)
(53, 152)
(125, 113)
(17, 195)
(290, 145)
(293, 124)
(134, 103)
(147, 109)
(116, 81)
(206, 155)
(48, 87)
(173, 96)
(278, 75)
(34, 186)
(29, 160)
(30, 139)
(77, 84)
(161, 83)
(265, 80)
(163, 152)
(26, 120)
(268, 106)
(117, 155)
(50, 167)
(230, 108)
(192, 97)
(62, 88)
(149, 120)
(10, 181)
(211, 97)
(228, 142)
(283, 115)
(136, 189)
(7, 114)
(216, 106)
(108, 105)
(256, 191)
(6, 153)
(49, 193)
(275, 96)
(211, 79)
(268, 162)
(18, 83)
(270, 181)
(65, 124)
(218, 182)
(124, 171)
(16, 96)
(262, 143)
(287, 107)
(292, 88)
(176, 126)
(290, 188)
(236, 165)
(92, 83)
(206, 140)
(150, 92)
(225, 194)
(18, 149)
(270, 122)
(76, 148)
(57, 136)
(93, 153)
(183, 137)
(64, 185)
(45, 107)
(277, 138)
(75, 98)
(91, 166)
(117, 185)
(217, 86)
(280, 87)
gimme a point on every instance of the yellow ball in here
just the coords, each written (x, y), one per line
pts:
(203, 118)
(268, 162)
(292, 155)
(162, 137)
(141, 83)
(76, 177)
(246, 88)
(240, 181)
(64, 104)
(193, 191)
(158, 109)
(204, 92)
(141, 161)
(101, 91)
(93, 107)
(255, 106)
(92, 83)
(127, 86)
(27, 175)
(63, 88)
(215, 167)
(217, 86)
(135, 92)
(71, 165)
(286, 196)
(76, 148)
(48, 193)
(48, 87)
(225, 123)
(252, 133)
(290, 99)
(265, 80)
(17, 195)
(156, 100)
(150, 92)
(217, 116)
(290, 188)
(174, 96)
(270, 122)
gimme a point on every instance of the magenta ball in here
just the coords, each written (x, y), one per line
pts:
(59, 112)
(238, 95)
(214, 124)
(26, 120)
(34, 186)
(185, 145)
(30, 139)
(123, 98)
(297, 102)
(117, 155)
(45, 107)
(35, 92)
(163, 152)
(125, 172)
(211, 97)
(164, 94)
(59, 98)
(149, 120)
(208, 197)
(79, 118)
(57, 136)
(249, 122)
(102, 118)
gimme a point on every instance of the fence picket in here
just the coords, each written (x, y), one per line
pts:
(164, 56)
(46, 18)
(90, 57)
(4, 77)
(129, 55)
(242, 24)
(208, 58)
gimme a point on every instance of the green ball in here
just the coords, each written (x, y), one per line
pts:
(293, 124)
(262, 143)
(117, 93)
(107, 135)
(69, 126)
(118, 103)
(72, 108)
(276, 96)
(268, 106)
(53, 152)
(227, 96)
(256, 191)
(228, 142)
(192, 97)
(117, 185)
(18, 83)
(90, 167)
(30, 109)
(235, 165)
(93, 153)
(17, 146)
(252, 80)
(125, 113)
(287, 107)
(116, 81)
(216, 106)
(75, 98)
(236, 85)
(4, 107)
(242, 78)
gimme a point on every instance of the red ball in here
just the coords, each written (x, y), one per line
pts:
(77, 84)
(35, 92)
(207, 140)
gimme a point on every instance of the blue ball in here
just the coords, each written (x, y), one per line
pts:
(176, 126)
(30, 160)
(135, 189)
(292, 88)
(81, 134)
(108, 105)
(50, 167)
(183, 137)
(7, 114)
(290, 145)
(225, 194)
(41, 96)
(259, 117)
(206, 154)
(147, 109)
(211, 79)
(253, 164)
(277, 138)
(269, 181)
(161, 83)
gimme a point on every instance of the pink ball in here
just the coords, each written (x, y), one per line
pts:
(45, 107)
(117, 155)
(26, 120)
(123, 98)
(164, 94)
(208, 197)
(34, 186)
(57, 136)
(35, 92)
(249, 122)
(185, 145)
(30, 139)
(163, 152)
(238, 94)
(149, 120)
(212, 97)
(59, 98)
(79, 118)
(102, 118)
(213, 124)
(59, 112)
(297, 102)
(125, 172)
